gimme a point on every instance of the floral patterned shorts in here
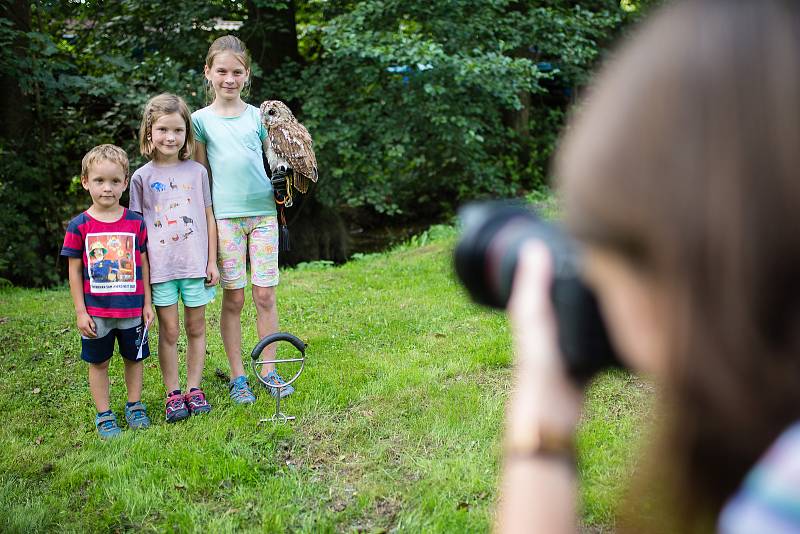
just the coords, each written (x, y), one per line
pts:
(239, 236)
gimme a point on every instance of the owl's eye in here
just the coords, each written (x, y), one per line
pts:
(271, 112)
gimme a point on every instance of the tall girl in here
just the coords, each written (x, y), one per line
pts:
(172, 193)
(230, 144)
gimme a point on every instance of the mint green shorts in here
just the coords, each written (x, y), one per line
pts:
(192, 291)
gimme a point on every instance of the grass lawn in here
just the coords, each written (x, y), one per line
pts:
(399, 416)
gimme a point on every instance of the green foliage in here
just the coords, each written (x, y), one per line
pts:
(30, 219)
(435, 132)
(414, 105)
(88, 70)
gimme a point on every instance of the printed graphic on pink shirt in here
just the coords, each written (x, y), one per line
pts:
(111, 262)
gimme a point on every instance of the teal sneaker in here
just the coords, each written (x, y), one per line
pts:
(107, 426)
(136, 416)
(274, 378)
(240, 391)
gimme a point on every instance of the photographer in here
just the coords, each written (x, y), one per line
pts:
(680, 177)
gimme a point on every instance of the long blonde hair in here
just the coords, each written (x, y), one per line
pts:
(234, 45)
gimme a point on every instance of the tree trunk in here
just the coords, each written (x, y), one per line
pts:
(271, 36)
(317, 232)
(519, 119)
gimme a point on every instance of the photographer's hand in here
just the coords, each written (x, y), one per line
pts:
(539, 489)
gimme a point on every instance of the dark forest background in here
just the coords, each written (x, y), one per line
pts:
(414, 106)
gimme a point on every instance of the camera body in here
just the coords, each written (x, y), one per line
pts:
(486, 259)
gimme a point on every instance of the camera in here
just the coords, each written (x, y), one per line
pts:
(485, 260)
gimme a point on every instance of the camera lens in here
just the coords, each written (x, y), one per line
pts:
(485, 256)
(486, 259)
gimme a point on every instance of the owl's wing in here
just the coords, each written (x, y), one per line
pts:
(292, 142)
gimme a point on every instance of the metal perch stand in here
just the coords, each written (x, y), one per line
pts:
(279, 416)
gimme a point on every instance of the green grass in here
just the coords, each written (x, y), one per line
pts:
(399, 416)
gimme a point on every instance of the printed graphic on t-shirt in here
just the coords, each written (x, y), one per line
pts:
(172, 223)
(112, 262)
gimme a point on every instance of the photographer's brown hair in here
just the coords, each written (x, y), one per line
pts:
(684, 161)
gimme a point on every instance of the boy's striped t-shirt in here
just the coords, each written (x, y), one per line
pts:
(112, 262)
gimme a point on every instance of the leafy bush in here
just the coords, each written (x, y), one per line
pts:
(408, 99)
(413, 105)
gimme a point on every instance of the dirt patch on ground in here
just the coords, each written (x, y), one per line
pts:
(590, 529)
(379, 518)
(490, 379)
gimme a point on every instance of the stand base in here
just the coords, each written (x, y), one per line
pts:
(280, 418)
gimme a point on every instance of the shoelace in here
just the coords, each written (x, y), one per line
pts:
(240, 390)
(276, 380)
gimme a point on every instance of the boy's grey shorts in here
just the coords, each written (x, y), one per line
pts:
(127, 332)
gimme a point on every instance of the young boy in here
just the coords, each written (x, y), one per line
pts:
(109, 306)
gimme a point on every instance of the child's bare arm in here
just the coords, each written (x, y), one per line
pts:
(147, 311)
(212, 272)
(85, 323)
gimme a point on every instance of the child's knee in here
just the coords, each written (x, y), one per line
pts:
(195, 327)
(264, 297)
(100, 367)
(133, 364)
(233, 301)
(168, 332)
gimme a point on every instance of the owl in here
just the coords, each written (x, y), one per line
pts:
(289, 144)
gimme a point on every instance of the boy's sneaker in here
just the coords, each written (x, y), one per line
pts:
(107, 426)
(176, 409)
(240, 391)
(136, 416)
(196, 402)
(274, 378)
